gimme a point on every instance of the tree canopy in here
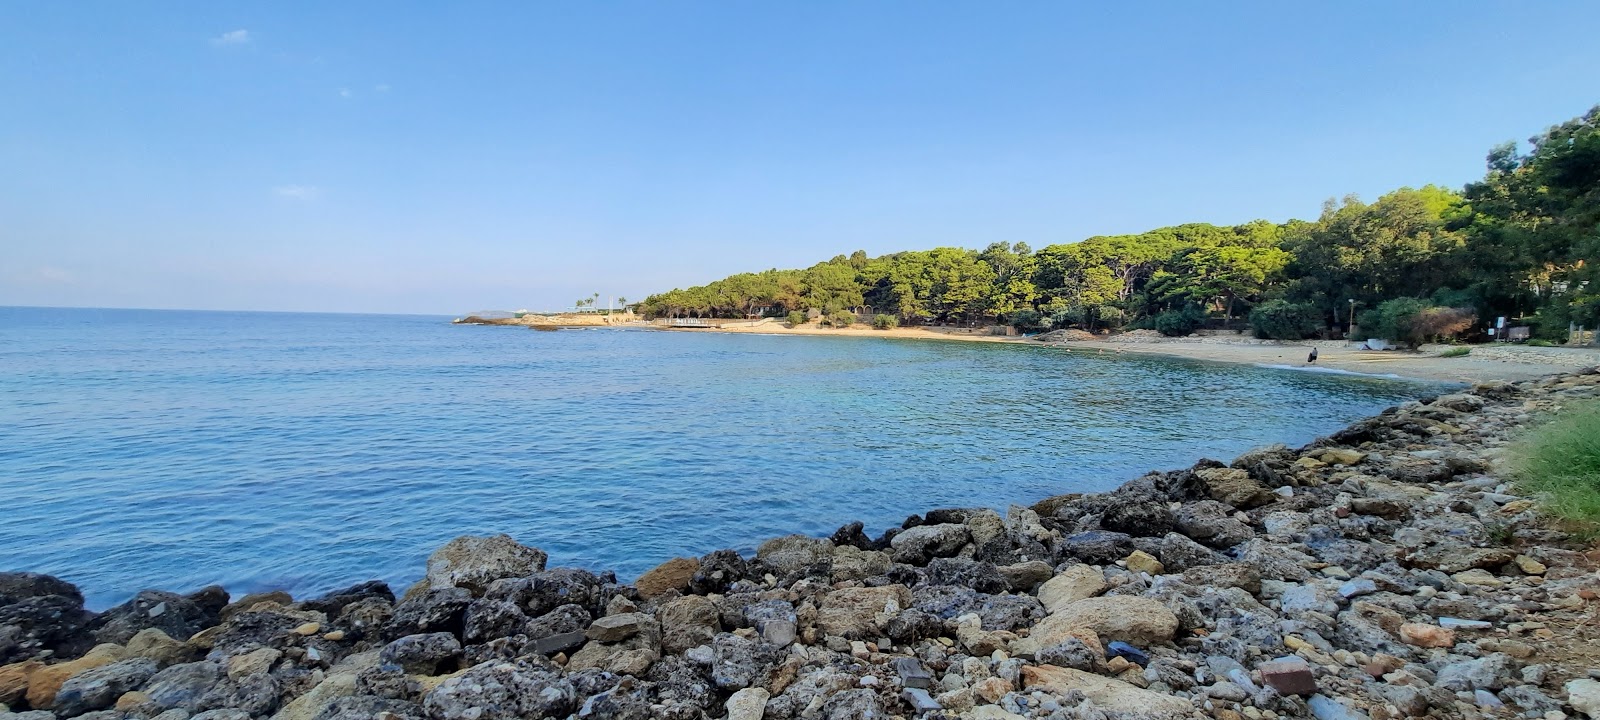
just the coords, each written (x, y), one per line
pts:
(1522, 242)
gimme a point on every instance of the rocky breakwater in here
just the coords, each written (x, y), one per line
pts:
(1384, 571)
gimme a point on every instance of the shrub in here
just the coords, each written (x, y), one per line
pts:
(1456, 352)
(1174, 323)
(797, 317)
(1027, 318)
(885, 322)
(1541, 343)
(1412, 321)
(841, 319)
(1284, 320)
(1560, 463)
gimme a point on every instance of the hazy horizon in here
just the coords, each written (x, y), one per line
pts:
(355, 159)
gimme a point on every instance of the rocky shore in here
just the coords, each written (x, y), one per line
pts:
(1385, 571)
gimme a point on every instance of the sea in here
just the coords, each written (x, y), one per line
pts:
(307, 452)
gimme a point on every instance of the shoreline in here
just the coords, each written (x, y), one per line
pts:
(1386, 570)
(1511, 363)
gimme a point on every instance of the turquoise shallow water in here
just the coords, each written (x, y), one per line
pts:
(300, 451)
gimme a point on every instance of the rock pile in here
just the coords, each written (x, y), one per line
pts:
(1382, 572)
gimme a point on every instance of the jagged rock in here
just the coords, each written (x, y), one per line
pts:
(1099, 547)
(368, 708)
(255, 695)
(14, 680)
(334, 603)
(1072, 653)
(1136, 620)
(183, 686)
(1584, 696)
(1179, 553)
(980, 576)
(687, 622)
(254, 662)
(440, 610)
(503, 691)
(740, 663)
(173, 614)
(918, 545)
(1138, 517)
(912, 625)
(853, 705)
(39, 623)
(542, 592)
(423, 654)
(472, 563)
(1490, 672)
(563, 619)
(852, 563)
(1213, 524)
(616, 628)
(99, 688)
(717, 571)
(18, 586)
(487, 618)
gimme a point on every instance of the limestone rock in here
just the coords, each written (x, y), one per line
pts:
(1234, 487)
(1139, 621)
(473, 563)
(748, 704)
(861, 612)
(1107, 693)
(1071, 585)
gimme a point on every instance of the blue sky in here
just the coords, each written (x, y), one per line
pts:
(441, 158)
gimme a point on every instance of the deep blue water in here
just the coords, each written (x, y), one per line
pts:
(305, 452)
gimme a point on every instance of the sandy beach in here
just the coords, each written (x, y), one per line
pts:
(1486, 362)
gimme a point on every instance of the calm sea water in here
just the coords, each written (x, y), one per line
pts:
(300, 451)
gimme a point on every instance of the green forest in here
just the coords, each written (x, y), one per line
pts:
(1415, 264)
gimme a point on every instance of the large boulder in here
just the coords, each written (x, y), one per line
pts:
(1101, 547)
(18, 586)
(334, 603)
(1106, 693)
(1131, 619)
(673, 574)
(687, 622)
(440, 610)
(858, 613)
(1234, 486)
(183, 687)
(1213, 524)
(922, 543)
(795, 556)
(99, 688)
(171, 613)
(473, 562)
(1075, 583)
(425, 654)
(717, 571)
(503, 691)
(39, 623)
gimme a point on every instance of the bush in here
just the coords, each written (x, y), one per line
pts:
(797, 318)
(1412, 321)
(1560, 463)
(1541, 343)
(1174, 323)
(885, 322)
(841, 319)
(1027, 318)
(1284, 320)
(1456, 352)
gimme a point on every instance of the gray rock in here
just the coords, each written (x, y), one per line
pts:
(1071, 653)
(740, 663)
(1213, 524)
(473, 563)
(918, 545)
(170, 613)
(367, 708)
(1490, 672)
(183, 686)
(563, 619)
(1325, 708)
(255, 694)
(690, 621)
(503, 691)
(1097, 547)
(795, 556)
(99, 688)
(438, 610)
(853, 705)
(486, 619)
(423, 654)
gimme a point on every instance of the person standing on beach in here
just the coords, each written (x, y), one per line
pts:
(1312, 358)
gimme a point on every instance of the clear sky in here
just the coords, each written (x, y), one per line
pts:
(448, 157)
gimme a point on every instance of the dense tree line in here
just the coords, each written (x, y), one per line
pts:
(1522, 242)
